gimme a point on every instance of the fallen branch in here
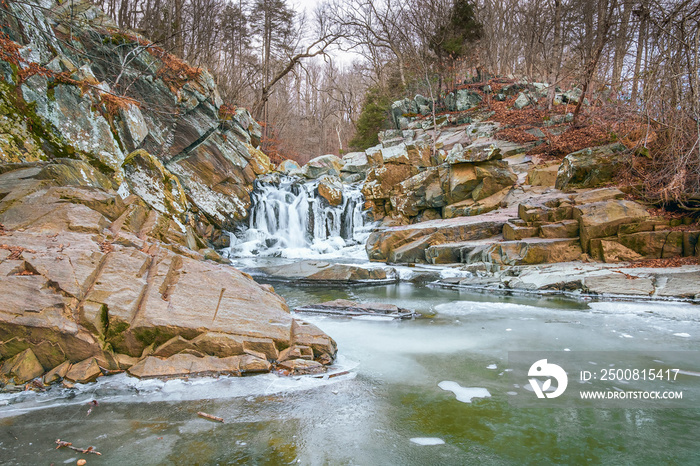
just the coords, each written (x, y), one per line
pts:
(330, 376)
(627, 276)
(209, 416)
(65, 444)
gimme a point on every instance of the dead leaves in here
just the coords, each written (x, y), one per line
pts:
(15, 251)
(106, 247)
(663, 263)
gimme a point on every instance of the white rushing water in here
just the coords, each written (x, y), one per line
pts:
(289, 219)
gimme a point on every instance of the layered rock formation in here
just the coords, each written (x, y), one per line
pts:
(108, 283)
(106, 93)
(454, 193)
(411, 180)
(117, 176)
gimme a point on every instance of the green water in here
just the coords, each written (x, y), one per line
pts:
(391, 395)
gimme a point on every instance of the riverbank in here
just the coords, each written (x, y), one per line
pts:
(593, 280)
(621, 281)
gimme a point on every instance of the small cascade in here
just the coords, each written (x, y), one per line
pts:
(289, 219)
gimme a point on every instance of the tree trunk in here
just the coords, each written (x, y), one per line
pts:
(555, 60)
(641, 45)
(603, 31)
(621, 46)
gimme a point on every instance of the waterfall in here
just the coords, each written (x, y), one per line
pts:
(289, 219)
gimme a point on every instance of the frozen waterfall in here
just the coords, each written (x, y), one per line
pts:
(289, 219)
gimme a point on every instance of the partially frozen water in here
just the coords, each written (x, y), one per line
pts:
(403, 401)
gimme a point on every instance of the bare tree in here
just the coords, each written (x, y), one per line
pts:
(605, 22)
(374, 25)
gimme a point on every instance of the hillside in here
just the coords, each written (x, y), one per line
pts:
(110, 207)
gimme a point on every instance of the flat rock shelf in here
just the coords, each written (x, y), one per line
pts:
(343, 307)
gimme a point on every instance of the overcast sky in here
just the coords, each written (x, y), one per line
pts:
(340, 58)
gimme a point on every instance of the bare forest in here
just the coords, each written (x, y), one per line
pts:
(320, 76)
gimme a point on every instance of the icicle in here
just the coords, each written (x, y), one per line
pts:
(286, 215)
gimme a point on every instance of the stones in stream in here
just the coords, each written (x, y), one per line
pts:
(319, 272)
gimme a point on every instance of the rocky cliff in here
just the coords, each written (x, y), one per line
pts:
(471, 186)
(76, 86)
(480, 193)
(119, 167)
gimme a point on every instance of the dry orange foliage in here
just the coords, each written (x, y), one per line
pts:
(15, 251)
(273, 147)
(9, 52)
(661, 263)
(572, 140)
(226, 111)
(106, 247)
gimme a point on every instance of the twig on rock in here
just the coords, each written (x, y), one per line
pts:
(209, 416)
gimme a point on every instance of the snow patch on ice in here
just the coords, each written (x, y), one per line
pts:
(476, 307)
(464, 394)
(427, 441)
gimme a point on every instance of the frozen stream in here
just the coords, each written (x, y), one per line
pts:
(399, 404)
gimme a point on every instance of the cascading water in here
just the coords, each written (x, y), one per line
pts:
(289, 219)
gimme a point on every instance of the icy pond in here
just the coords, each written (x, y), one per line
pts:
(433, 390)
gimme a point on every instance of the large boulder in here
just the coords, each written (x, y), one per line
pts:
(331, 189)
(356, 162)
(602, 219)
(463, 181)
(400, 110)
(654, 244)
(479, 181)
(462, 99)
(476, 152)
(589, 168)
(84, 372)
(522, 101)
(398, 244)
(531, 251)
(494, 176)
(22, 367)
(470, 207)
(611, 251)
(395, 154)
(288, 167)
(320, 272)
(324, 165)
(425, 190)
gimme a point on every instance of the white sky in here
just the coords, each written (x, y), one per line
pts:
(340, 58)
